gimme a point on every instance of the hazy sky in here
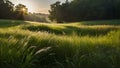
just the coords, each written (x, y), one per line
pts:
(36, 5)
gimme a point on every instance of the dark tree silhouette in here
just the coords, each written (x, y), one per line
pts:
(6, 9)
(79, 10)
(59, 12)
(20, 11)
(55, 12)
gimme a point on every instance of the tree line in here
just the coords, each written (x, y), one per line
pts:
(9, 11)
(79, 10)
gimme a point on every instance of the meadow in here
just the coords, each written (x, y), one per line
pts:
(86, 44)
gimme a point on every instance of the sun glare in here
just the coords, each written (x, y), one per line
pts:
(33, 7)
(28, 4)
(23, 9)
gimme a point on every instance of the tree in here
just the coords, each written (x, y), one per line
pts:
(20, 11)
(79, 10)
(55, 12)
(6, 9)
(59, 12)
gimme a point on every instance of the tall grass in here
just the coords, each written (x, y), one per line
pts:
(70, 29)
(21, 48)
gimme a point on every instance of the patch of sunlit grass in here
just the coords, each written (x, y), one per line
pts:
(21, 48)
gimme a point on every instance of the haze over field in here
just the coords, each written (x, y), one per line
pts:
(37, 5)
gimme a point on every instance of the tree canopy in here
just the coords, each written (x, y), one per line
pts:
(6, 9)
(9, 11)
(79, 10)
(20, 11)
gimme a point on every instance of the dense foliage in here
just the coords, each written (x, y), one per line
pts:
(78, 10)
(9, 11)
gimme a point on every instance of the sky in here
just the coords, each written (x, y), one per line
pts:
(38, 6)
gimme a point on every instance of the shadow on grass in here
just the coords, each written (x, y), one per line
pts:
(102, 22)
(90, 31)
(70, 30)
(43, 28)
(10, 23)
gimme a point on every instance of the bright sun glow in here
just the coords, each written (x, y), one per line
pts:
(37, 6)
(28, 4)
(23, 9)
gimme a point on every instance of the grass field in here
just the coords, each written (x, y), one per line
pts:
(87, 44)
